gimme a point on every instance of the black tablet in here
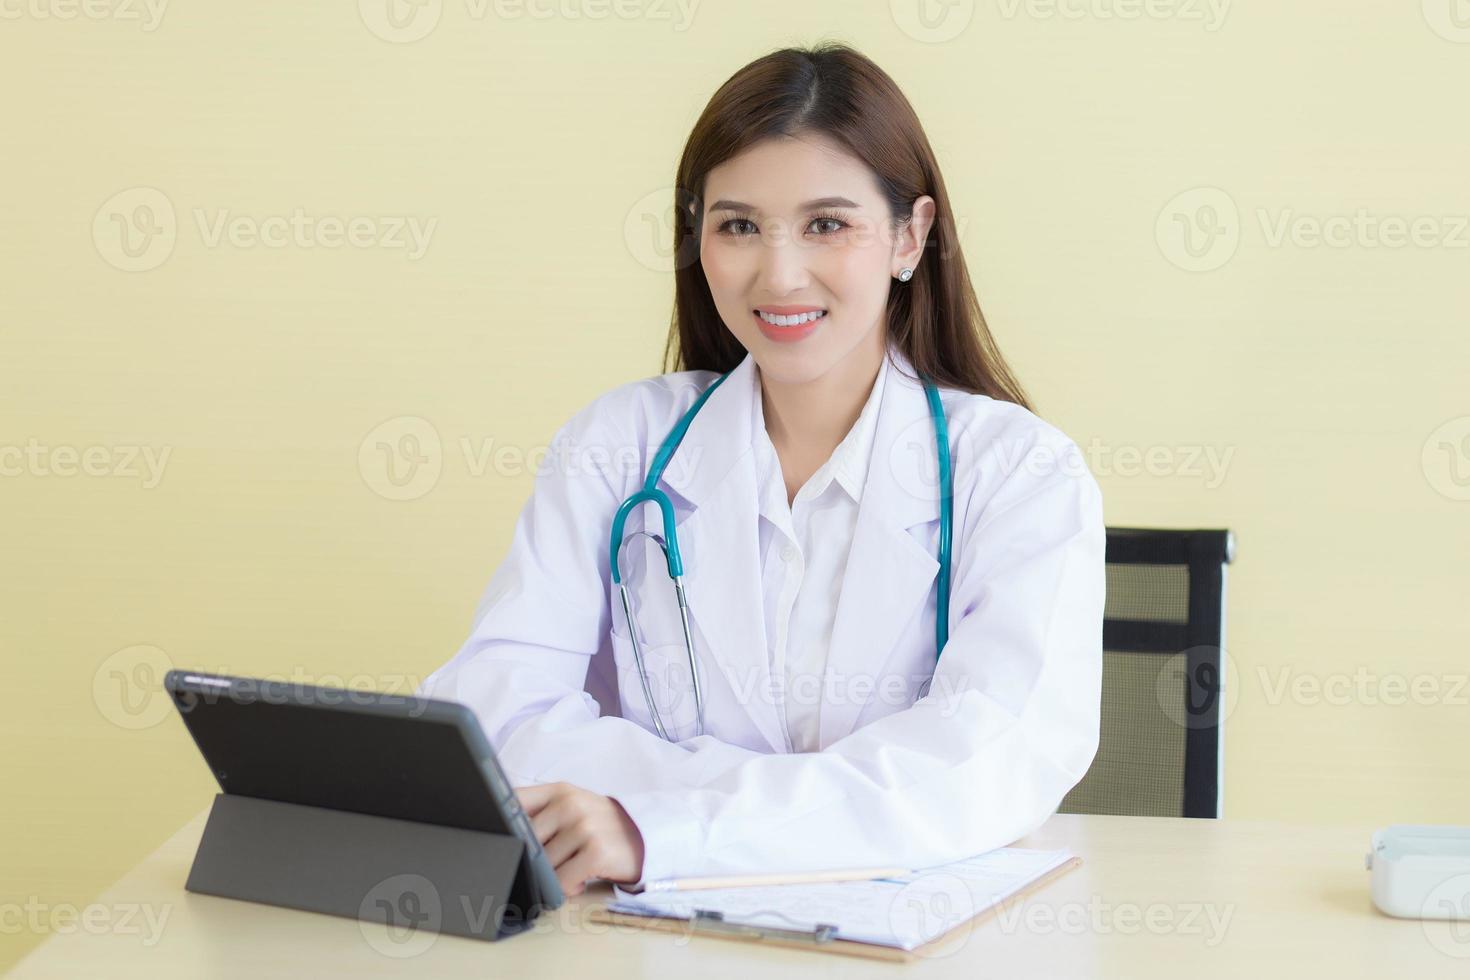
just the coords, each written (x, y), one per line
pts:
(390, 755)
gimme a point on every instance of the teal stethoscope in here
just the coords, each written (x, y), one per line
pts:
(650, 492)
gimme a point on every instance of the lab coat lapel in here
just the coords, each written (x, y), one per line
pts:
(719, 539)
(889, 574)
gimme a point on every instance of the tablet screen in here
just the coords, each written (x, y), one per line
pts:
(389, 755)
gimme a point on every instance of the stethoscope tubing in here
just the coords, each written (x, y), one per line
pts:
(669, 544)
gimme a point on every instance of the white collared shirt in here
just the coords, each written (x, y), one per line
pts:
(803, 552)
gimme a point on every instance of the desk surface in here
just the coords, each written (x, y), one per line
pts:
(1155, 897)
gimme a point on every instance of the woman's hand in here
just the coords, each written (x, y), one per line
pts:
(585, 835)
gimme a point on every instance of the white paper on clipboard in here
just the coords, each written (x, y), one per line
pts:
(903, 912)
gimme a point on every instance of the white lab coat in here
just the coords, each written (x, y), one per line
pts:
(912, 770)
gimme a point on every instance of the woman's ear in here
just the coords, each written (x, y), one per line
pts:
(909, 246)
(687, 203)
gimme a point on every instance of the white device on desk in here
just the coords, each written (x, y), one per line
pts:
(1421, 871)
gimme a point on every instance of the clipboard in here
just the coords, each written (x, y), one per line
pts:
(823, 937)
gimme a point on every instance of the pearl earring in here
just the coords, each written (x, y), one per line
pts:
(906, 275)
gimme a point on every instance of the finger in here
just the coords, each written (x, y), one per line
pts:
(584, 864)
(533, 798)
(551, 818)
(562, 845)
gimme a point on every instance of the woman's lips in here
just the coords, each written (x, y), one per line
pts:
(785, 335)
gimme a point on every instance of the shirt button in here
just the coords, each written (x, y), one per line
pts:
(788, 553)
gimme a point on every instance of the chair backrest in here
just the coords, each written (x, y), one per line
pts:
(1160, 752)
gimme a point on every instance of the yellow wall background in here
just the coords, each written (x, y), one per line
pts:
(1326, 381)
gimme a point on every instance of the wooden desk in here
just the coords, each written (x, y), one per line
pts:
(1182, 899)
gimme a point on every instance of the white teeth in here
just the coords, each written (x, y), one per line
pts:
(790, 321)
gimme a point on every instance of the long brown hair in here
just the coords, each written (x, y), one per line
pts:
(831, 89)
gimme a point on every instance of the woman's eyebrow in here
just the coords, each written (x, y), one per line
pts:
(725, 204)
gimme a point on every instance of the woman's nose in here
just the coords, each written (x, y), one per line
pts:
(783, 266)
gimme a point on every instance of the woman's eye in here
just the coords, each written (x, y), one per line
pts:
(726, 227)
(737, 226)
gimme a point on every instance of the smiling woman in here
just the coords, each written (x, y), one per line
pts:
(889, 647)
(816, 157)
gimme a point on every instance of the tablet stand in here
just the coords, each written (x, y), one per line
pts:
(411, 876)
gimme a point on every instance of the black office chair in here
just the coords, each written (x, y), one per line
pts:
(1163, 676)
